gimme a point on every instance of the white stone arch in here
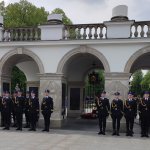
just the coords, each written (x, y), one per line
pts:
(134, 57)
(79, 50)
(21, 51)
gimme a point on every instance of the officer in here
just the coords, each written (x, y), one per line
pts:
(116, 113)
(130, 112)
(144, 112)
(26, 110)
(6, 110)
(33, 110)
(19, 109)
(14, 108)
(1, 108)
(103, 108)
(47, 109)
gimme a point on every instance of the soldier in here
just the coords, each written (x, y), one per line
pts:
(144, 112)
(13, 108)
(6, 110)
(47, 109)
(103, 108)
(1, 108)
(19, 109)
(116, 113)
(33, 111)
(26, 110)
(130, 112)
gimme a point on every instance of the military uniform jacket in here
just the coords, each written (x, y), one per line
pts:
(19, 104)
(13, 104)
(117, 108)
(26, 104)
(0, 103)
(34, 105)
(47, 105)
(103, 106)
(130, 108)
(144, 107)
(7, 105)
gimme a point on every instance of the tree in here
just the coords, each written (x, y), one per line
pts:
(65, 19)
(2, 8)
(18, 77)
(136, 82)
(23, 14)
(146, 82)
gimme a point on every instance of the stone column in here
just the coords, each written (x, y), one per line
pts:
(1, 28)
(53, 82)
(117, 81)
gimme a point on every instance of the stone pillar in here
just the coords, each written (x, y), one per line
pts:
(53, 82)
(53, 29)
(117, 81)
(1, 28)
(119, 26)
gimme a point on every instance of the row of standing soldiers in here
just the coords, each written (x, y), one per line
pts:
(128, 109)
(17, 105)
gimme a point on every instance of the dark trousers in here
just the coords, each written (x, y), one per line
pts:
(129, 123)
(145, 121)
(47, 120)
(116, 122)
(27, 116)
(2, 119)
(33, 120)
(7, 116)
(19, 119)
(14, 117)
(102, 122)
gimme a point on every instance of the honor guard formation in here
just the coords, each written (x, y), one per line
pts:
(124, 108)
(14, 107)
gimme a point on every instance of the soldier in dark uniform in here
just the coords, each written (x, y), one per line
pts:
(19, 109)
(47, 109)
(33, 111)
(13, 108)
(144, 112)
(130, 112)
(1, 108)
(26, 110)
(6, 109)
(103, 108)
(116, 113)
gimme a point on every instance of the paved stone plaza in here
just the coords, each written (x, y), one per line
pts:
(62, 139)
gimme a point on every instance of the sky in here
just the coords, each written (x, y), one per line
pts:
(94, 11)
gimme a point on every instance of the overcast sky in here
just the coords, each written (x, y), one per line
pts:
(94, 11)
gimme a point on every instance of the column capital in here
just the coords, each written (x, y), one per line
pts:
(117, 75)
(49, 76)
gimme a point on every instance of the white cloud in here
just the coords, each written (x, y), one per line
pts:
(94, 11)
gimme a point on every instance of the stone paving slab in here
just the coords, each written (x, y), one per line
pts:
(58, 139)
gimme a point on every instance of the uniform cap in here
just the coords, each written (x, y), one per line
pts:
(130, 93)
(146, 92)
(117, 93)
(47, 91)
(33, 91)
(103, 92)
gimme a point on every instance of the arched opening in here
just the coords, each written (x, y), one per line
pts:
(139, 65)
(75, 89)
(25, 61)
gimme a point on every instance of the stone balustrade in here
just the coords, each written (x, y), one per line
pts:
(85, 31)
(140, 29)
(21, 34)
(75, 32)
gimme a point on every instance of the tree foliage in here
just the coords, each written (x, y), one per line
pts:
(146, 82)
(136, 82)
(23, 14)
(18, 77)
(65, 19)
(2, 8)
